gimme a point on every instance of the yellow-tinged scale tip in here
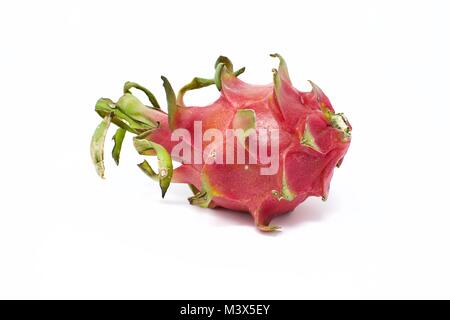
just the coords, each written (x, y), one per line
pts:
(269, 228)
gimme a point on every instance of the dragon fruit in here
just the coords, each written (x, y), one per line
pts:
(261, 149)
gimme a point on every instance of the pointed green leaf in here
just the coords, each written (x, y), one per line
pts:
(97, 145)
(118, 140)
(171, 102)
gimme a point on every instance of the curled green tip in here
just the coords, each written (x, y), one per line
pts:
(201, 199)
(218, 76)
(129, 85)
(227, 62)
(198, 83)
(282, 67)
(220, 69)
(165, 166)
(277, 55)
(104, 106)
(148, 170)
(97, 145)
(195, 83)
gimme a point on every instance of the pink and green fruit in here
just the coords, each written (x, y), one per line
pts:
(306, 140)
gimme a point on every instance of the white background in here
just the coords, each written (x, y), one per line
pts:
(65, 233)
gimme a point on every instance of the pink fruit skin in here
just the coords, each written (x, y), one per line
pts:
(305, 169)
